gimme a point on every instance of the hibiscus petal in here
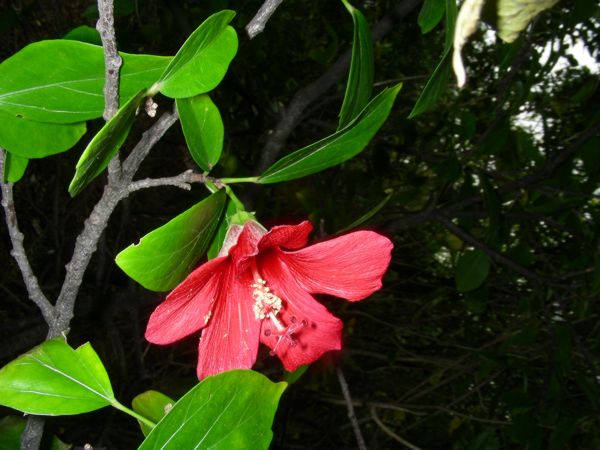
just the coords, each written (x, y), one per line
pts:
(350, 266)
(311, 329)
(286, 236)
(246, 246)
(187, 308)
(230, 340)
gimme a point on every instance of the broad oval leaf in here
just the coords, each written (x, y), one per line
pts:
(360, 79)
(61, 81)
(53, 379)
(337, 148)
(152, 405)
(515, 15)
(232, 410)
(203, 59)
(84, 33)
(431, 14)
(203, 129)
(165, 256)
(14, 167)
(30, 139)
(11, 429)
(472, 270)
(105, 145)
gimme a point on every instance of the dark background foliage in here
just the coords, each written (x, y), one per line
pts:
(510, 364)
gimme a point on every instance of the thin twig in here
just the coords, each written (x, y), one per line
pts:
(18, 252)
(258, 22)
(493, 254)
(350, 407)
(389, 432)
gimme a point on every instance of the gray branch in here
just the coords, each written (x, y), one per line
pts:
(87, 241)
(360, 440)
(112, 60)
(18, 252)
(258, 22)
(183, 181)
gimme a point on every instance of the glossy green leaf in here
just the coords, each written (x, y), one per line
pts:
(152, 405)
(84, 33)
(217, 242)
(105, 145)
(436, 85)
(232, 410)
(53, 379)
(360, 80)
(472, 270)
(203, 129)
(201, 63)
(431, 14)
(61, 81)
(337, 148)
(14, 167)
(165, 256)
(30, 139)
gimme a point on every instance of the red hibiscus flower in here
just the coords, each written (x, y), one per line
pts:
(260, 287)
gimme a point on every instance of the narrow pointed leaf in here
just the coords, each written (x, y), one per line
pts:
(152, 405)
(30, 139)
(165, 256)
(436, 85)
(360, 79)
(201, 63)
(337, 148)
(53, 379)
(368, 215)
(203, 129)
(217, 242)
(61, 81)
(105, 145)
(232, 410)
(14, 167)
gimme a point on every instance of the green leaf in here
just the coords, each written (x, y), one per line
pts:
(84, 33)
(472, 270)
(431, 13)
(368, 215)
(436, 85)
(30, 139)
(105, 145)
(152, 405)
(201, 62)
(337, 148)
(202, 128)
(217, 242)
(53, 379)
(360, 80)
(14, 167)
(232, 410)
(11, 429)
(61, 81)
(165, 256)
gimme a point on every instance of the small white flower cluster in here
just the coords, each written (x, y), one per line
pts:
(265, 302)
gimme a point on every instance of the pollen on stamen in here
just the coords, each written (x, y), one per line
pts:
(265, 302)
(207, 317)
